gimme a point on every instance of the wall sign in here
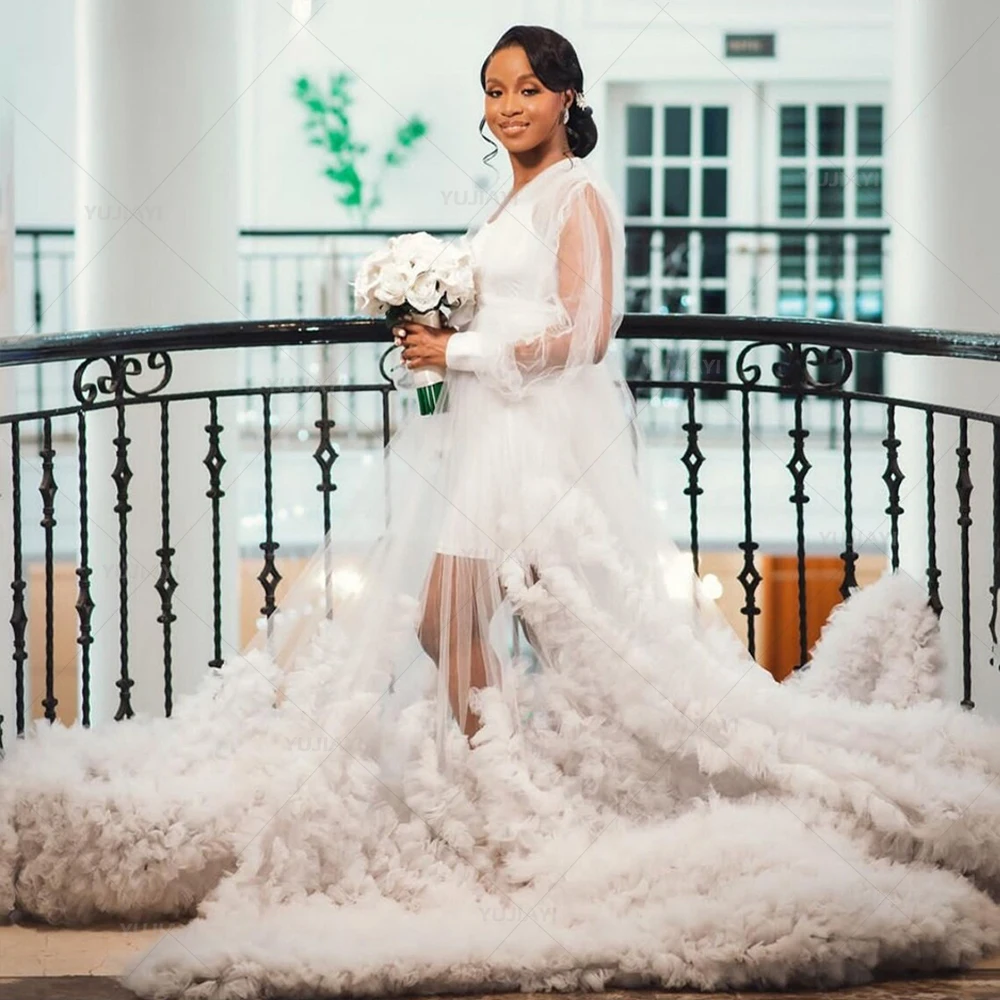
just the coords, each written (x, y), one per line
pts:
(749, 45)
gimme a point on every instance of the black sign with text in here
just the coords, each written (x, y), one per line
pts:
(749, 45)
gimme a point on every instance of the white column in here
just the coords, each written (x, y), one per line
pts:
(156, 136)
(942, 150)
(7, 680)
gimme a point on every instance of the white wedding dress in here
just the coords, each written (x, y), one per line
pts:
(642, 805)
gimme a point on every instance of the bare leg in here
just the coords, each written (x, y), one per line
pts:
(459, 601)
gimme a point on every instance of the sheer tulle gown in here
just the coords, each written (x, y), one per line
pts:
(640, 805)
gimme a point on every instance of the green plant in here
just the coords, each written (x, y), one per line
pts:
(328, 125)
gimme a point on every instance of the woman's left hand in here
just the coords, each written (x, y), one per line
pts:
(423, 346)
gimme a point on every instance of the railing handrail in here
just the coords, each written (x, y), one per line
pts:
(233, 334)
(785, 227)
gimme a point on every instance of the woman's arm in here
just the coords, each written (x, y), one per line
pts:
(586, 299)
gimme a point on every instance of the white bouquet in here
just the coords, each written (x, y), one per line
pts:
(416, 277)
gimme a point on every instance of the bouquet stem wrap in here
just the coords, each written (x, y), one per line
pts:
(428, 381)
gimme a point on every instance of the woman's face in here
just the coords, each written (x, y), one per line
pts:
(519, 111)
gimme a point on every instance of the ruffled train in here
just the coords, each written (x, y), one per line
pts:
(665, 815)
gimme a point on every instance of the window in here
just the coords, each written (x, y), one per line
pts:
(831, 193)
(869, 130)
(869, 193)
(793, 130)
(715, 131)
(713, 193)
(676, 191)
(676, 131)
(639, 191)
(792, 197)
(639, 131)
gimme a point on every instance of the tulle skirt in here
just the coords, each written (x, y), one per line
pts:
(496, 448)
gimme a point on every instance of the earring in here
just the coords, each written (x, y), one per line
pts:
(565, 115)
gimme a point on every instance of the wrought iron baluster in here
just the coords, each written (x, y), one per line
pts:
(325, 455)
(892, 477)
(693, 460)
(84, 600)
(18, 615)
(214, 461)
(799, 467)
(964, 488)
(933, 573)
(269, 576)
(849, 556)
(165, 583)
(749, 576)
(47, 488)
(995, 589)
(122, 476)
(386, 429)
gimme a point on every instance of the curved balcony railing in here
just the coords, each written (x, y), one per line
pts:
(171, 399)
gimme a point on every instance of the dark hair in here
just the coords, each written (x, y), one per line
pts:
(554, 61)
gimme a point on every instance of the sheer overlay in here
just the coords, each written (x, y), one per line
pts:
(533, 425)
(639, 804)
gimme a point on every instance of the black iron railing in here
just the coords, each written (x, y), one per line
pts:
(121, 374)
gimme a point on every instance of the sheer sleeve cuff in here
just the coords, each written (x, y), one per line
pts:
(468, 350)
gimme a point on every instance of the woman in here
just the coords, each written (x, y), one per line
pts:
(527, 392)
(429, 808)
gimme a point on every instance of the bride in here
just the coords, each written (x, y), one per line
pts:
(522, 751)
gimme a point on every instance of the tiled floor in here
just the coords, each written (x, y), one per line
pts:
(38, 962)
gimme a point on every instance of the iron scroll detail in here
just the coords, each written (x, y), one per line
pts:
(119, 380)
(832, 366)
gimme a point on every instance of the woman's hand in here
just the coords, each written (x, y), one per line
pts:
(423, 346)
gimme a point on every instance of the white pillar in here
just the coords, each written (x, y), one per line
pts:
(942, 150)
(156, 136)
(7, 680)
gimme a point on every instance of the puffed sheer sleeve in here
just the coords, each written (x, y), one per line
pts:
(589, 248)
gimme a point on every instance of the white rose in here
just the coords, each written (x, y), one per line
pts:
(393, 286)
(424, 293)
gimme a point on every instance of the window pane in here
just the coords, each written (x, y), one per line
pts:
(676, 191)
(675, 300)
(831, 130)
(639, 125)
(713, 255)
(791, 303)
(869, 201)
(637, 252)
(831, 193)
(868, 306)
(713, 300)
(792, 198)
(677, 131)
(637, 363)
(713, 192)
(713, 363)
(792, 257)
(868, 371)
(637, 300)
(869, 255)
(675, 253)
(830, 255)
(639, 191)
(870, 130)
(673, 368)
(828, 305)
(793, 130)
(715, 131)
